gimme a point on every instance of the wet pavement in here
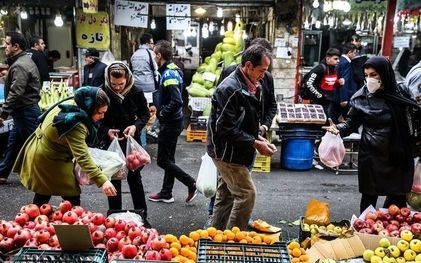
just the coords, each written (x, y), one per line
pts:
(282, 194)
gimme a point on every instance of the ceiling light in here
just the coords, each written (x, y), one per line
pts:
(318, 24)
(237, 18)
(316, 4)
(245, 36)
(200, 11)
(58, 21)
(219, 12)
(346, 6)
(230, 26)
(327, 6)
(153, 24)
(23, 14)
(346, 22)
(211, 26)
(222, 30)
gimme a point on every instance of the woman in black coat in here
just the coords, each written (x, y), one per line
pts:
(385, 159)
(127, 114)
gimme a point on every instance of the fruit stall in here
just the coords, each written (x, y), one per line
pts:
(51, 234)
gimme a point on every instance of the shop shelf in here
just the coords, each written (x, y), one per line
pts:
(34, 255)
(209, 251)
(196, 135)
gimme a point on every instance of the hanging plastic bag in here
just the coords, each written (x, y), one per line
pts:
(331, 150)
(108, 57)
(122, 173)
(136, 156)
(207, 178)
(109, 163)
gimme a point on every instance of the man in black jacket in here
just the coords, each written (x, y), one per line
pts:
(233, 138)
(94, 70)
(36, 52)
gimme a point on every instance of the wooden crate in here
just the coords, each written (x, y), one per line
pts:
(196, 135)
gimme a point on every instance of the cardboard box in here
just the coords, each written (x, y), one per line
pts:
(302, 234)
(338, 249)
(74, 237)
(371, 241)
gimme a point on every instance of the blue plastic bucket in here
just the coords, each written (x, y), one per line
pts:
(297, 153)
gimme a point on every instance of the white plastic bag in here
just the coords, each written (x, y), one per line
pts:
(416, 185)
(207, 178)
(109, 163)
(136, 155)
(115, 147)
(108, 57)
(331, 150)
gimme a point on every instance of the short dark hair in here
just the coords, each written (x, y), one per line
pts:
(164, 47)
(145, 38)
(17, 38)
(254, 54)
(348, 47)
(54, 54)
(355, 37)
(34, 40)
(333, 52)
(263, 42)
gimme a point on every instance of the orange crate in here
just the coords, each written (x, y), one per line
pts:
(196, 135)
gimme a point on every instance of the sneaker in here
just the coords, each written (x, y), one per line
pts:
(192, 194)
(159, 197)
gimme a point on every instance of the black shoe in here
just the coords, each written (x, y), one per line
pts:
(146, 223)
(192, 194)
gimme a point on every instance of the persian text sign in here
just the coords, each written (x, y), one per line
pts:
(178, 16)
(92, 30)
(129, 13)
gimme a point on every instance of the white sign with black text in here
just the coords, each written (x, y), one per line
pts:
(129, 13)
(178, 16)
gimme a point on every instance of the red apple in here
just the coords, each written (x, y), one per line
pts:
(380, 215)
(392, 227)
(416, 228)
(416, 218)
(400, 218)
(393, 210)
(377, 227)
(359, 224)
(405, 211)
(395, 233)
(384, 233)
(371, 215)
(387, 217)
(369, 222)
(129, 251)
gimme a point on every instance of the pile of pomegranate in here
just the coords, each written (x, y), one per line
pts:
(33, 227)
(389, 223)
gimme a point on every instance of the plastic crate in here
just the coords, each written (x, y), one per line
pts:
(262, 164)
(138, 261)
(29, 255)
(209, 251)
(196, 135)
(302, 235)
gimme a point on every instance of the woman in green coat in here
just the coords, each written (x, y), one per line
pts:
(45, 162)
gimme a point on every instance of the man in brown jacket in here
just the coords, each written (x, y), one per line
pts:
(22, 87)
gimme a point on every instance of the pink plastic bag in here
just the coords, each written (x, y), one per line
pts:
(416, 185)
(331, 150)
(136, 156)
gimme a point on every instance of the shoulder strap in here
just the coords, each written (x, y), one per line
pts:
(152, 68)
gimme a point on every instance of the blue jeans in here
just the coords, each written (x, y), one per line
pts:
(25, 121)
(167, 143)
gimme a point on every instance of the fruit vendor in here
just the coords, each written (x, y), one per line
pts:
(233, 138)
(94, 69)
(45, 163)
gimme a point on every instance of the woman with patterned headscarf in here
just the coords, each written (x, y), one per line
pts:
(127, 115)
(386, 149)
(45, 163)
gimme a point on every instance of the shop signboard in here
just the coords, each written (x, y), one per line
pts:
(92, 30)
(90, 6)
(129, 13)
(401, 42)
(178, 16)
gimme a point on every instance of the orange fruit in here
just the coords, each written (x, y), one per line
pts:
(268, 239)
(170, 238)
(204, 234)
(249, 239)
(240, 235)
(295, 260)
(184, 240)
(193, 249)
(235, 229)
(184, 251)
(293, 245)
(218, 238)
(174, 251)
(252, 233)
(212, 231)
(257, 240)
(296, 252)
(194, 235)
(304, 258)
(303, 251)
(243, 241)
(230, 235)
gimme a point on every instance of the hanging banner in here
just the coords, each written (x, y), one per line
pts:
(92, 30)
(129, 13)
(178, 16)
(90, 6)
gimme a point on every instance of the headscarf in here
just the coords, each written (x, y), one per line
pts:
(129, 80)
(401, 143)
(72, 115)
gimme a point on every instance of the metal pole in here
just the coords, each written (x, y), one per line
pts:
(298, 62)
(387, 41)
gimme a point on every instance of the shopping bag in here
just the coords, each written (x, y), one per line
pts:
(109, 163)
(115, 147)
(207, 178)
(317, 213)
(136, 156)
(331, 150)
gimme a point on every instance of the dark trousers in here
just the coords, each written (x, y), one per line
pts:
(40, 199)
(167, 143)
(367, 200)
(25, 121)
(134, 179)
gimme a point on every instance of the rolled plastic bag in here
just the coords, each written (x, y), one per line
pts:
(331, 150)
(206, 182)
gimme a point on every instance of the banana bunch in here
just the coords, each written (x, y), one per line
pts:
(53, 93)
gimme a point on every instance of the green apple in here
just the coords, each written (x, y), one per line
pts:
(313, 226)
(379, 252)
(400, 260)
(314, 231)
(376, 259)
(338, 229)
(368, 253)
(306, 227)
(406, 235)
(323, 228)
(402, 245)
(330, 227)
(418, 257)
(409, 255)
(387, 259)
(415, 245)
(394, 251)
(384, 242)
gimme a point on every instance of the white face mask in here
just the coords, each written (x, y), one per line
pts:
(372, 84)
